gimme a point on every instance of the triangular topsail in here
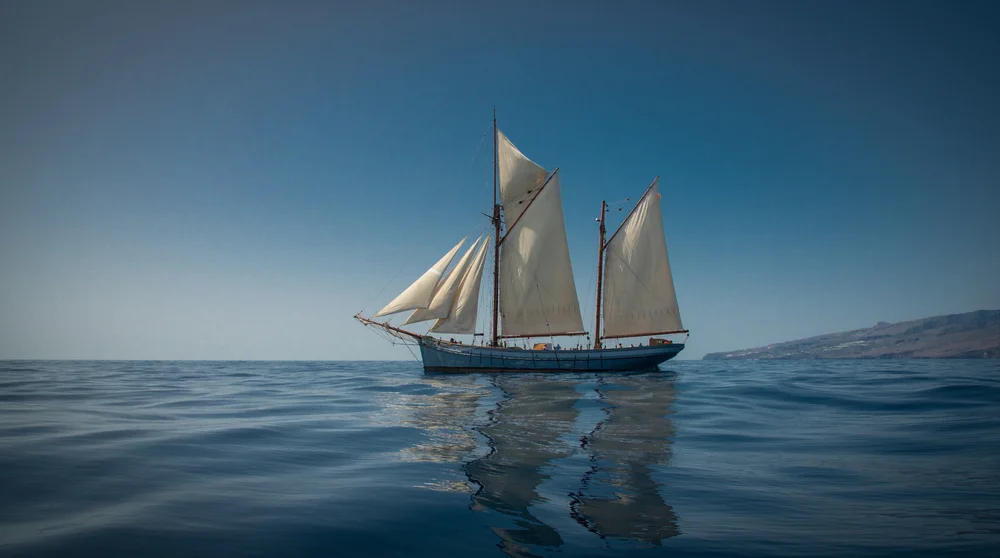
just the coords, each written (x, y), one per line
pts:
(520, 179)
(538, 293)
(418, 295)
(446, 291)
(462, 316)
(639, 297)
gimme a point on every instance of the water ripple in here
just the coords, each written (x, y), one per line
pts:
(817, 458)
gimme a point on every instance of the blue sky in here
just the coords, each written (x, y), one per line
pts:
(233, 180)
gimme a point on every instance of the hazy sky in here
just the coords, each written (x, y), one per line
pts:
(234, 180)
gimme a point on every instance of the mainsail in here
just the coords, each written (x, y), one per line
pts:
(639, 296)
(538, 293)
(445, 292)
(418, 295)
(462, 316)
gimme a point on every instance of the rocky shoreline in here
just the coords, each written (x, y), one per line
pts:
(969, 335)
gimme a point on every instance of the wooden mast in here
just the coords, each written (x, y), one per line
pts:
(600, 270)
(496, 237)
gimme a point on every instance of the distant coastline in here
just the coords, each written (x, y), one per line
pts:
(969, 335)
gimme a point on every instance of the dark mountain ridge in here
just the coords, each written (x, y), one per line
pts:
(969, 335)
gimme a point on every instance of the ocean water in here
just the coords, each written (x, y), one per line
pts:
(812, 458)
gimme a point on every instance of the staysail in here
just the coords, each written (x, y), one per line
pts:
(538, 293)
(418, 295)
(639, 297)
(462, 316)
(445, 292)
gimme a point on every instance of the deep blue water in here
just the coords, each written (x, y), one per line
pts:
(819, 458)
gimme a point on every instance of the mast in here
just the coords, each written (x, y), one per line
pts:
(496, 238)
(600, 270)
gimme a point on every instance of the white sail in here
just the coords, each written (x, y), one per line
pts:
(462, 316)
(446, 290)
(639, 296)
(520, 179)
(418, 295)
(537, 290)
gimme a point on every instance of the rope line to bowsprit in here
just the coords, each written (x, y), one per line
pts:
(387, 283)
(393, 338)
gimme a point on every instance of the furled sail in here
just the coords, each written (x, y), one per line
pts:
(462, 317)
(446, 291)
(639, 296)
(520, 179)
(538, 293)
(418, 295)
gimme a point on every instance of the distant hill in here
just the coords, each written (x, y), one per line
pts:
(970, 335)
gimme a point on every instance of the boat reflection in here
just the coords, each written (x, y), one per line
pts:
(618, 496)
(445, 419)
(536, 425)
(526, 433)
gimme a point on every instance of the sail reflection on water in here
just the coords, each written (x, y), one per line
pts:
(445, 418)
(528, 426)
(527, 433)
(618, 496)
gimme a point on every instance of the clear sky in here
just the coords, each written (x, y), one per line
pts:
(234, 180)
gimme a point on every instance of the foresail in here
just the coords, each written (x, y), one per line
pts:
(462, 317)
(446, 290)
(520, 179)
(537, 290)
(418, 295)
(639, 297)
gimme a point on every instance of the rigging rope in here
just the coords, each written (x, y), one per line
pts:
(481, 141)
(372, 299)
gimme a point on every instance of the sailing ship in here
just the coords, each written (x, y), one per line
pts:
(534, 293)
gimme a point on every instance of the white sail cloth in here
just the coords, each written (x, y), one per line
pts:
(462, 315)
(446, 290)
(520, 179)
(537, 290)
(639, 297)
(419, 294)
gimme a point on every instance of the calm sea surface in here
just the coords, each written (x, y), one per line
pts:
(860, 458)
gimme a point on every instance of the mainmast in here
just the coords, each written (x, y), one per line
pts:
(600, 273)
(496, 238)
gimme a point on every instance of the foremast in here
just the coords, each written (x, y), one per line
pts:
(495, 330)
(600, 276)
